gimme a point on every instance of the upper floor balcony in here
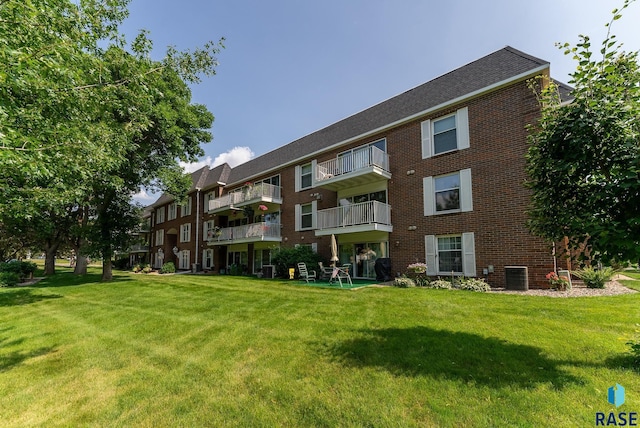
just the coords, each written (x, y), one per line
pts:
(262, 193)
(139, 248)
(360, 165)
(253, 232)
(349, 218)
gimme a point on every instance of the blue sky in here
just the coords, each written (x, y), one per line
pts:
(292, 67)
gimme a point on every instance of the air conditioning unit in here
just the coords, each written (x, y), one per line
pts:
(516, 277)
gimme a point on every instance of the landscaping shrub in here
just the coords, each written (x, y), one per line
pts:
(474, 284)
(595, 278)
(440, 284)
(9, 279)
(289, 257)
(635, 353)
(121, 263)
(22, 269)
(168, 267)
(146, 269)
(403, 282)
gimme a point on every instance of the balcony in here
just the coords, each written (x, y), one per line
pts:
(351, 218)
(139, 248)
(254, 232)
(259, 193)
(358, 166)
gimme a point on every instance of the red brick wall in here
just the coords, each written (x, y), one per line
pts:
(497, 160)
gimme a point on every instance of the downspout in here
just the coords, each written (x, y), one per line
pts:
(197, 226)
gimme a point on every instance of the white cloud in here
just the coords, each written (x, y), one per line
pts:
(192, 167)
(233, 157)
(144, 198)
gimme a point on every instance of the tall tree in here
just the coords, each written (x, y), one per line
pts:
(87, 120)
(584, 156)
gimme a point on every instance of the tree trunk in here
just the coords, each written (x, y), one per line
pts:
(79, 244)
(107, 273)
(81, 264)
(50, 259)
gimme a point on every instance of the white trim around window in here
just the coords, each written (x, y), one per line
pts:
(308, 211)
(457, 123)
(450, 253)
(185, 232)
(185, 209)
(436, 189)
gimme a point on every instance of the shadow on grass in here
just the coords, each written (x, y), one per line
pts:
(67, 279)
(15, 358)
(443, 354)
(23, 296)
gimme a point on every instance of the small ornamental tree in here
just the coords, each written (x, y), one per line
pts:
(584, 156)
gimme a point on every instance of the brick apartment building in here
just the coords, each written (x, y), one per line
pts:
(435, 174)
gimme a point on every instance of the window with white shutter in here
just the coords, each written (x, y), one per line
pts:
(445, 134)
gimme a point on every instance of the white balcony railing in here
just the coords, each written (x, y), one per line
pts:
(372, 212)
(137, 248)
(354, 160)
(248, 232)
(256, 192)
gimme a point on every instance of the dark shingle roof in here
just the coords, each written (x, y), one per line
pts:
(492, 69)
(204, 178)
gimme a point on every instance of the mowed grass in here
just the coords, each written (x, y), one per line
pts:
(194, 350)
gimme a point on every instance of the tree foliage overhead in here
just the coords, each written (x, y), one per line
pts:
(584, 156)
(86, 120)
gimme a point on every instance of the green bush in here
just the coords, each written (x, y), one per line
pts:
(289, 257)
(403, 282)
(474, 284)
(635, 353)
(168, 267)
(9, 279)
(440, 284)
(595, 278)
(147, 269)
(21, 268)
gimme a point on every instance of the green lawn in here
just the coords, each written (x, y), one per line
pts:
(194, 350)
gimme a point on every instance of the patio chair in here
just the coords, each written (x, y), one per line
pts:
(325, 272)
(306, 275)
(341, 273)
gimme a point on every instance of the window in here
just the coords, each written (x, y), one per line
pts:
(380, 196)
(184, 260)
(207, 259)
(160, 237)
(160, 215)
(172, 211)
(208, 230)
(448, 193)
(447, 254)
(305, 176)
(445, 134)
(185, 209)
(306, 216)
(185, 232)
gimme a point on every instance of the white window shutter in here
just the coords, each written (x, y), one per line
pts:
(429, 197)
(298, 212)
(430, 254)
(314, 167)
(466, 198)
(314, 214)
(468, 254)
(426, 139)
(462, 128)
(298, 181)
